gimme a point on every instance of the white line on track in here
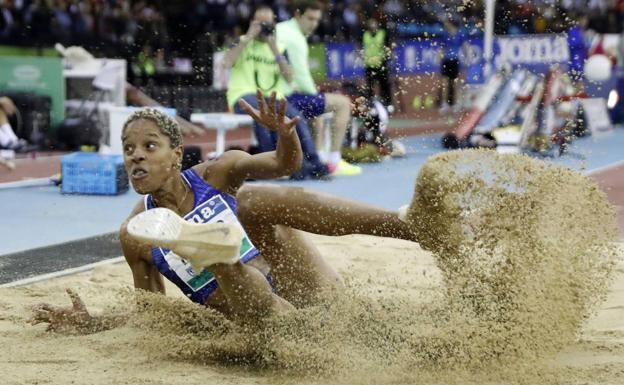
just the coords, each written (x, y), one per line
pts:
(32, 182)
(604, 168)
(62, 273)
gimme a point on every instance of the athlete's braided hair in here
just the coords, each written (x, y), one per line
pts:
(166, 124)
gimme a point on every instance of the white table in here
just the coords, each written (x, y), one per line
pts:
(222, 122)
(107, 74)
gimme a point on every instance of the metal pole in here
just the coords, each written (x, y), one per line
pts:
(488, 40)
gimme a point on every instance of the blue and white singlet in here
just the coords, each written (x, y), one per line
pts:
(210, 206)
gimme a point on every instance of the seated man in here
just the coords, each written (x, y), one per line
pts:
(8, 139)
(257, 63)
(302, 93)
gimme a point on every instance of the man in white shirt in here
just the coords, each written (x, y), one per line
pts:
(302, 92)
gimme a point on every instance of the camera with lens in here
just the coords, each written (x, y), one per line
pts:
(266, 29)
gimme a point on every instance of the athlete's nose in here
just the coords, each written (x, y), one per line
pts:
(138, 155)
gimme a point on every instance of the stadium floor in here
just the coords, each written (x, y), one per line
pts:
(44, 231)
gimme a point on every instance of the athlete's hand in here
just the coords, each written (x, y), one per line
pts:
(269, 116)
(62, 319)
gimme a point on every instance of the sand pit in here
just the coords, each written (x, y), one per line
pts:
(525, 286)
(32, 356)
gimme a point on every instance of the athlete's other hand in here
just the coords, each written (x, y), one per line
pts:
(271, 116)
(63, 319)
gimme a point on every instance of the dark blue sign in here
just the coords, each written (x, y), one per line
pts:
(536, 53)
(417, 57)
(343, 61)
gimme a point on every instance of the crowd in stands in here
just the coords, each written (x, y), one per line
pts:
(195, 28)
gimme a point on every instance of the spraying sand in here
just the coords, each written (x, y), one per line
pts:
(522, 254)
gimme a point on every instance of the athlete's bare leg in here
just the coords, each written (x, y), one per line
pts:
(318, 213)
(273, 217)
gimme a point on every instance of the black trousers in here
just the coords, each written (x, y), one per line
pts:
(380, 75)
(450, 70)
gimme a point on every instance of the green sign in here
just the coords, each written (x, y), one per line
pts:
(39, 75)
(317, 62)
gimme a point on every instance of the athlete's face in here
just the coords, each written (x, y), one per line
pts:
(149, 159)
(309, 20)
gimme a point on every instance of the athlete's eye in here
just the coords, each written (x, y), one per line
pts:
(151, 146)
(128, 149)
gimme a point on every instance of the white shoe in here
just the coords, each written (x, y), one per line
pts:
(200, 244)
(403, 213)
(398, 149)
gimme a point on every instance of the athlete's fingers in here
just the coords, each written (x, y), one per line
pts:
(262, 107)
(249, 110)
(43, 306)
(77, 302)
(272, 109)
(282, 110)
(293, 122)
(39, 316)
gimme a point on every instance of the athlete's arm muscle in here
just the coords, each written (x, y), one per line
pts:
(146, 276)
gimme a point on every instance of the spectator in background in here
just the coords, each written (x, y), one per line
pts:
(8, 139)
(351, 21)
(257, 64)
(375, 49)
(449, 66)
(144, 66)
(9, 20)
(40, 23)
(302, 92)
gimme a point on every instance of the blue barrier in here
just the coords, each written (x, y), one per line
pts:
(536, 53)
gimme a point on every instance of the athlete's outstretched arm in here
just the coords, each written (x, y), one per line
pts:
(285, 160)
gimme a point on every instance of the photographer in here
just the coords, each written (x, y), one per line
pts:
(257, 63)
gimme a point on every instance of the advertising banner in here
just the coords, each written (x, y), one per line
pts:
(533, 52)
(421, 57)
(39, 75)
(343, 61)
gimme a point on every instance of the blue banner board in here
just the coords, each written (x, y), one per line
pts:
(413, 57)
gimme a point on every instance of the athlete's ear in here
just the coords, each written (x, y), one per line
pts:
(178, 153)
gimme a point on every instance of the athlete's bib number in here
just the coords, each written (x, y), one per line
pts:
(214, 210)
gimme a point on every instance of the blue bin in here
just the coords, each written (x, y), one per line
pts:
(93, 174)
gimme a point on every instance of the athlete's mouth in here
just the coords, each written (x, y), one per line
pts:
(139, 173)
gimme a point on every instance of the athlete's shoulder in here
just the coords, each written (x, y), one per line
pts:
(219, 172)
(224, 162)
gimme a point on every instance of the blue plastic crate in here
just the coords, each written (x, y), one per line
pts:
(93, 174)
